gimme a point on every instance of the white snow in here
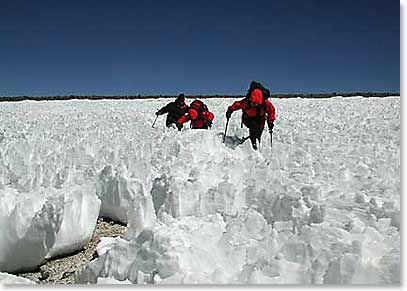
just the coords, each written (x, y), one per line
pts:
(105, 244)
(321, 206)
(81, 210)
(9, 279)
(29, 225)
(120, 193)
(43, 224)
(110, 281)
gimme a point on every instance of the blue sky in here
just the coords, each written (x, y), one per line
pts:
(198, 47)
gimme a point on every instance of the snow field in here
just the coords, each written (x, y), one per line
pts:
(321, 206)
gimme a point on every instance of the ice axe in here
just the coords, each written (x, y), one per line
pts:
(154, 121)
(226, 129)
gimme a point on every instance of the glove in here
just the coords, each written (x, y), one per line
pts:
(179, 126)
(209, 123)
(158, 112)
(271, 126)
(229, 113)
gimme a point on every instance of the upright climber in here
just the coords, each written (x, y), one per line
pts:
(256, 109)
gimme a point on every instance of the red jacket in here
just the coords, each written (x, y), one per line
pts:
(196, 120)
(255, 116)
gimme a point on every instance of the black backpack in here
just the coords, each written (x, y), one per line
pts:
(258, 85)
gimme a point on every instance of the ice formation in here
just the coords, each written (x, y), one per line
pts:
(9, 279)
(43, 224)
(29, 225)
(320, 207)
(120, 193)
(81, 210)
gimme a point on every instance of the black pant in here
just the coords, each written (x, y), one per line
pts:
(205, 126)
(255, 134)
(255, 130)
(171, 119)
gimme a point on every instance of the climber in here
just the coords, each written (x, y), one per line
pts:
(256, 109)
(199, 115)
(175, 110)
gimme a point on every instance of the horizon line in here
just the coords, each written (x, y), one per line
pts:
(195, 95)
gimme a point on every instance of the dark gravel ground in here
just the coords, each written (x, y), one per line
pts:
(62, 270)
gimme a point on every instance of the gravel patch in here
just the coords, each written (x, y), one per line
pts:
(62, 270)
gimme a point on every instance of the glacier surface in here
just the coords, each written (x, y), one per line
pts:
(322, 206)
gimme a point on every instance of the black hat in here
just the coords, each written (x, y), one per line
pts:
(181, 97)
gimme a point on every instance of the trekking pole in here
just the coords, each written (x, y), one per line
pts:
(154, 121)
(226, 129)
(271, 137)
